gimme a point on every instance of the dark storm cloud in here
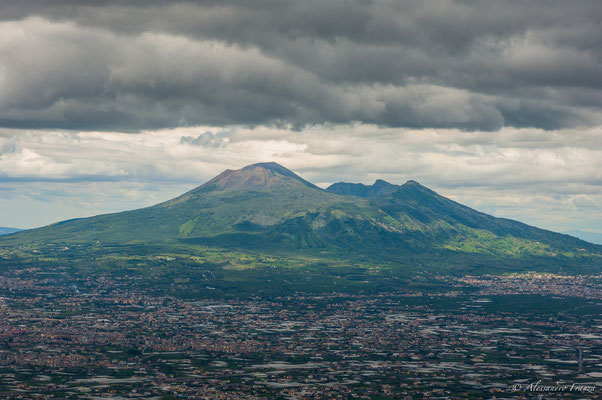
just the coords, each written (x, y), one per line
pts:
(129, 65)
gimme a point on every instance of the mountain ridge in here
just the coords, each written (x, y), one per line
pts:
(269, 211)
(378, 189)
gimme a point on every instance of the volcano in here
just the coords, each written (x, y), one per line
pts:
(265, 209)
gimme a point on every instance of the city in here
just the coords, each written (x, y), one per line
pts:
(484, 337)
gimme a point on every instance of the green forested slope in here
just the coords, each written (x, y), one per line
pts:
(266, 210)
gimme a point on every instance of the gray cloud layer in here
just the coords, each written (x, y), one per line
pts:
(130, 65)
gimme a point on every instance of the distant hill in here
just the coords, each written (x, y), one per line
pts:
(266, 216)
(591, 237)
(6, 231)
(380, 188)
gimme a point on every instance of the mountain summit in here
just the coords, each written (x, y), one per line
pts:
(260, 176)
(267, 210)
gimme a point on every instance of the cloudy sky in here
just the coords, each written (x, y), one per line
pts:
(115, 104)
